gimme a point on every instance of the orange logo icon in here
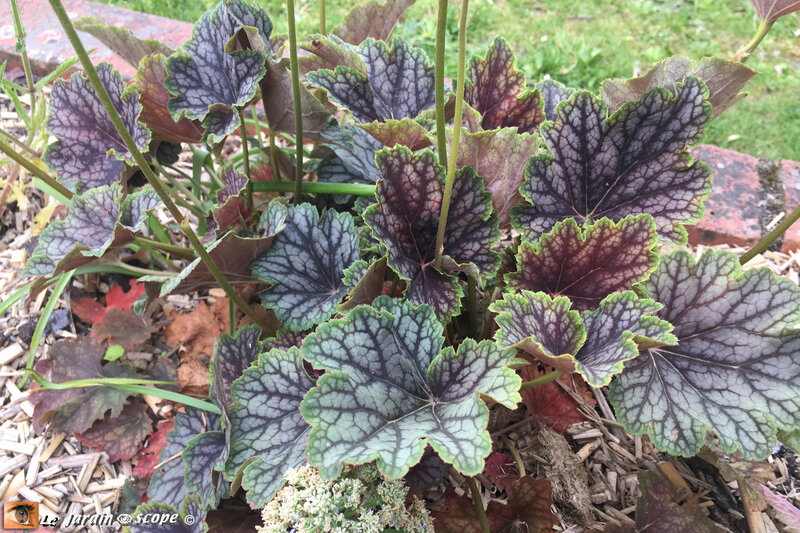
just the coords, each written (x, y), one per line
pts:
(20, 515)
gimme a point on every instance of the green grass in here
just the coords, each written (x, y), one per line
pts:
(582, 42)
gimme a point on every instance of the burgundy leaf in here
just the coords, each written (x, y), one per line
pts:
(120, 436)
(496, 89)
(371, 19)
(587, 264)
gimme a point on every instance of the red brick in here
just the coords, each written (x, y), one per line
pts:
(48, 46)
(732, 208)
(790, 172)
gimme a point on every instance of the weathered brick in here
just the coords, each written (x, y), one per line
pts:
(48, 46)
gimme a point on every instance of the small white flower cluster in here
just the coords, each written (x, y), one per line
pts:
(359, 501)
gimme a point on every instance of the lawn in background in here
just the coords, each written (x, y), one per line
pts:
(584, 41)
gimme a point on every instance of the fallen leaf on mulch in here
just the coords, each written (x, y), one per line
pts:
(527, 509)
(500, 468)
(115, 322)
(92, 311)
(197, 330)
(193, 378)
(550, 403)
(148, 457)
(120, 436)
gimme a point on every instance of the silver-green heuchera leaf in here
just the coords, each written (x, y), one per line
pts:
(205, 80)
(406, 220)
(353, 160)
(89, 152)
(306, 265)
(190, 518)
(735, 368)
(268, 435)
(390, 388)
(595, 344)
(632, 162)
(95, 222)
(398, 82)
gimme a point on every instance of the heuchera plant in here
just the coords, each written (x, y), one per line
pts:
(422, 249)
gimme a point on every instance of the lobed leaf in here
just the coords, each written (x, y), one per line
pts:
(268, 434)
(398, 82)
(149, 83)
(390, 389)
(207, 82)
(496, 90)
(407, 132)
(276, 88)
(723, 77)
(89, 152)
(371, 19)
(77, 409)
(306, 266)
(406, 220)
(120, 436)
(595, 344)
(633, 162)
(167, 485)
(203, 457)
(232, 356)
(734, 367)
(553, 93)
(499, 156)
(121, 41)
(587, 264)
(232, 253)
(97, 221)
(190, 519)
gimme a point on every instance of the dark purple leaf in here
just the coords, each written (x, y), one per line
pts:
(496, 89)
(633, 162)
(167, 483)
(733, 368)
(500, 157)
(391, 388)
(204, 457)
(306, 266)
(232, 356)
(95, 222)
(723, 77)
(398, 82)
(553, 93)
(76, 409)
(353, 160)
(406, 220)
(206, 81)
(428, 473)
(89, 152)
(595, 344)
(587, 264)
(268, 435)
(120, 436)
(371, 19)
